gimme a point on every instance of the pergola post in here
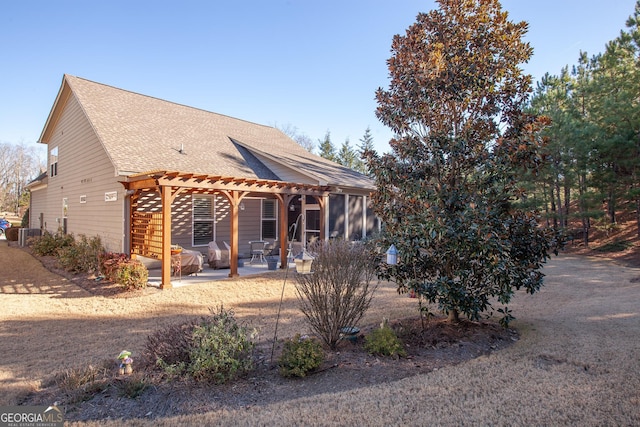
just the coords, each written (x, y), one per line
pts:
(165, 194)
(234, 197)
(284, 226)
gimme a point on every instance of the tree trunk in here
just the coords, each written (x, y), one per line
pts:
(559, 203)
(582, 206)
(567, 201)
(554, 212)
(638, 215)
(454, 316)
(611, 207)
(546, 202)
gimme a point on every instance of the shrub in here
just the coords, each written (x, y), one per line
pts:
(221, 349)
(132, 386)
(24, 223)
(339, 291)
(109, 263)
(84, 382)
(49, 243)
(81, 256)
(213, 348)
(12, 233)
(384, 342)
(169, 347)
(300, 355)
(131, 274)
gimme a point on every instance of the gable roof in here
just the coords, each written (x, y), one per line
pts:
(141, 133)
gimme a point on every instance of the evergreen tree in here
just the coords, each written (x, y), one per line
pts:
(366, 144)
(347, 156)
(326, 148)
(445, 193)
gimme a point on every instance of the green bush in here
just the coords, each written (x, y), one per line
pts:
(300, 355)
(221, 349)
(131, 274)
(24, 223)
(213, 348)
(384, 342)
(81, 256)
(49, 243)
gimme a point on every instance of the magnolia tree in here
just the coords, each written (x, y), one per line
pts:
(447, 192)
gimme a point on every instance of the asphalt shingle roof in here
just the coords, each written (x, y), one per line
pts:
(141, 133)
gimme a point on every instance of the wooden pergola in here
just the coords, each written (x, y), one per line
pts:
(169, 184)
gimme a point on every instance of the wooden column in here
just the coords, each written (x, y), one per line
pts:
(284, 227)
(234, 197)
(234, 200)
(165, 194)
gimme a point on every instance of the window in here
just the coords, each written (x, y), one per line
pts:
(203, 217)
(53, 161)
(269, 219)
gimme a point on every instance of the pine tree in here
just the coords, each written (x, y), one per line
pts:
(326, 148)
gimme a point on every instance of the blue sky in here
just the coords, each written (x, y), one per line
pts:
(312, 65)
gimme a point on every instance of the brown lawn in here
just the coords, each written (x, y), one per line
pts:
(577, 361)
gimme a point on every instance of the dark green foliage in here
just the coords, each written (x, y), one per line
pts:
(49, 243)
(213, 349)
(300, 356)
(594, 139)
(25, 219)
(82, 255)
(617, 246)
(221, 349)
(384, 342)
(447, 192)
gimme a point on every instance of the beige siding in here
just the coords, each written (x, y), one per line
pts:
(83, 170)
(38, 207)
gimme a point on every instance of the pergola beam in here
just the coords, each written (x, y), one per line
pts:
(171, 183)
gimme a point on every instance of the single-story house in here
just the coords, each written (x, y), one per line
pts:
(144, 174)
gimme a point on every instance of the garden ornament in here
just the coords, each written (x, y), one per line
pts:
(125, 362)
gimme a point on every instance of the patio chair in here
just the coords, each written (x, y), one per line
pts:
(257, 251)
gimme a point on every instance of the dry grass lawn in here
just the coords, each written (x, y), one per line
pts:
(577, 362)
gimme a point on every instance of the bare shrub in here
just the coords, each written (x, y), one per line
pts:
(339, 291)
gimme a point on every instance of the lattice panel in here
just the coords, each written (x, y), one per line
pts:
(146, 226)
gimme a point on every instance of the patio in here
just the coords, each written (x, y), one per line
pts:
(209, 274)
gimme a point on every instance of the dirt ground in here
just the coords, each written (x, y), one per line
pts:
(49, 311)
(50, 323)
